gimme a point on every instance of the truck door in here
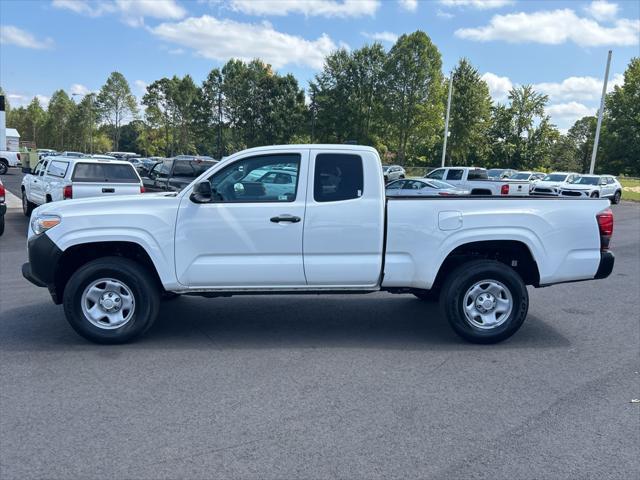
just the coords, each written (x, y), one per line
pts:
(249, 236)
(37, 185)
(455, 177)
(344, 222)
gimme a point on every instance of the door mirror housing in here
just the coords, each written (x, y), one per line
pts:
(201, 193)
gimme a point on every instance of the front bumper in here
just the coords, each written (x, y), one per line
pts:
(44, 256)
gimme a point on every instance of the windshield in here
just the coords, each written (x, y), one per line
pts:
(586, 181)
(555, 177)
(385, 168)
(521, 176)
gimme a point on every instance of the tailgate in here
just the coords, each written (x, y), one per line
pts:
(93, 189)
(519, 188)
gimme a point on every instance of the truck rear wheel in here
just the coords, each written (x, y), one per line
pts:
(485, 301)
(111, 300)
(27, 206)
(4, 166)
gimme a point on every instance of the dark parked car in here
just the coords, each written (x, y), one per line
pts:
(172, 175)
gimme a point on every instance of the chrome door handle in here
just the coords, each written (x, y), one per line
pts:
(285, 218)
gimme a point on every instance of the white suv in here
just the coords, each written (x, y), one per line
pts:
(594, 186)
(552, 183)
(64, 178)
(393, 172)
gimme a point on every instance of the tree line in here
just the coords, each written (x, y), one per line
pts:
(393, 100)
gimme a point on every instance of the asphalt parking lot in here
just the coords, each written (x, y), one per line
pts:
(367, 387)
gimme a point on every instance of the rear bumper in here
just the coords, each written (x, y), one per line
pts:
(607, 259)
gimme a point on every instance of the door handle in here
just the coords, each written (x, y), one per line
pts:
(285, 218)
(108, 190)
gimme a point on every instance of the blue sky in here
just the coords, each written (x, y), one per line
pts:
(74, 44)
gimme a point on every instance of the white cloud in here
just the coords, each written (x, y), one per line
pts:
(141, 85)
(10, 35)
(133, 12)
(577, 88)
(44, 100)
(478, 4)
(409, 5)
(381, 36)
(565, 114)
(223, 39)
(80, 89)
(499, 87)
(19, 100)
(554, 27)
(602, 10)
(309, 8)
(443, 14)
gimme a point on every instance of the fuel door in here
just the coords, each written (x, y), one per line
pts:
(450, 220)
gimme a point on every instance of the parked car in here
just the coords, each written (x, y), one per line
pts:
(477, 181)
(195, 157)
(45, 152)
(3, 207)
(103, 157)
(551, 184)
(9, 159)
(415, 187)
(64, 178)
(109, 261)
(173, 175)
(73, 155)
(594, 186)
(531, 177)
(500, 173)
(392, 172)
(123, 155)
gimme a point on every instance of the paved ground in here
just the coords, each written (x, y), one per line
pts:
(324, 387)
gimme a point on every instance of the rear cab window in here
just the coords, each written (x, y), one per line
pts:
(337, 177)
(105, 172)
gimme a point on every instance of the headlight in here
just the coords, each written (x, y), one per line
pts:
(42, 223)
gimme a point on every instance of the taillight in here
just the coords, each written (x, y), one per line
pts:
(2, 194)
(504, 189)
(67, 192)
(445, 194)
(142, 190)
(605, 225)
(18, 155)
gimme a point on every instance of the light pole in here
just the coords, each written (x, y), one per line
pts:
(90, 95)
(600, 113)
(446, 120)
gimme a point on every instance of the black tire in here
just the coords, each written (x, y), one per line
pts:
(144, 289)
(1, 224)
(594, 195)
(4, 167)
(401, 177)
(27, 206)
(616, 197)
(427, 295)
(462, 279)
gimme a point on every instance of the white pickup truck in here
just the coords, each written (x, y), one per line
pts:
(477, 181)
(56, 178)
(8, 159)
(110, 261)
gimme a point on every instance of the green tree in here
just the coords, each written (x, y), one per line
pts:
(470, 117)
(36, 117)
(414, 95)
(621, 126)
(57, 126)
(116, 103)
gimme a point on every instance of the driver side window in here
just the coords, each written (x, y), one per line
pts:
(436, 174)
(265, 178)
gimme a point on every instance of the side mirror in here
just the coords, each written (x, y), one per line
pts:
(201, 193)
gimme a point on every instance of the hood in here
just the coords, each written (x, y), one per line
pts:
(97, 205)
(549, 184)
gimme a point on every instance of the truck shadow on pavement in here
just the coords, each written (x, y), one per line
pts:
(373, 321)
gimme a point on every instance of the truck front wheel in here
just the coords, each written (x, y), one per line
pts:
(485, 301)
(111, 300)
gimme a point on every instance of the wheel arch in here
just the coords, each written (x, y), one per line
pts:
(80, 254)
(513, 253)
